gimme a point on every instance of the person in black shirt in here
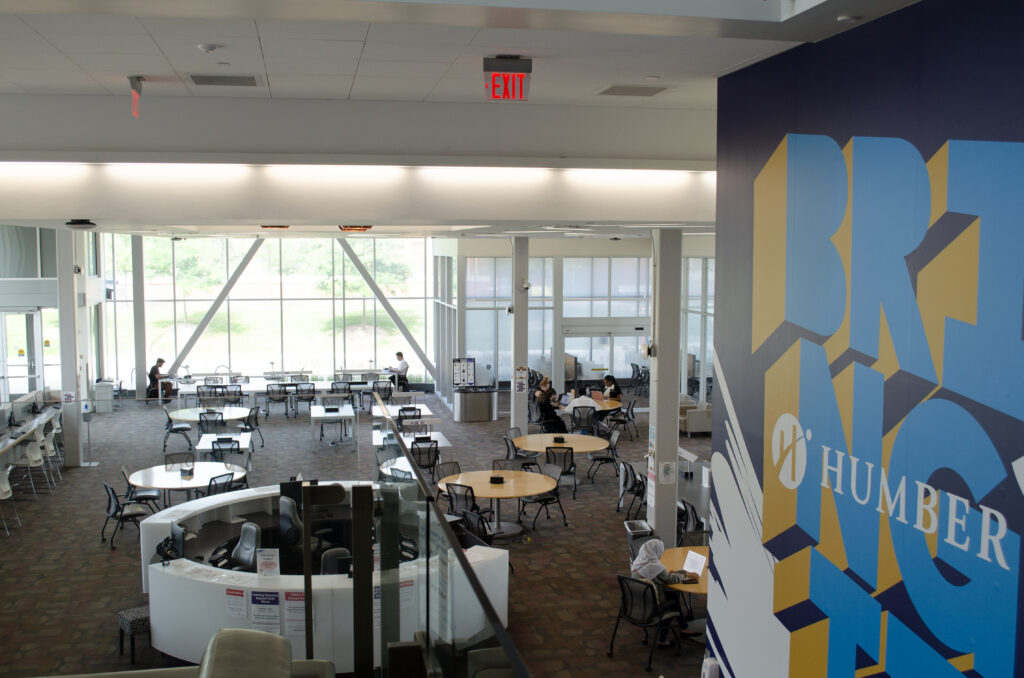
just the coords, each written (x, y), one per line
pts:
(611, 388)
(154, 380)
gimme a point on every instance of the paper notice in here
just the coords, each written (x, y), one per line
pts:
(407, 595)
(294, 613)
(266, 611)
(694, 563)
(234, 602)
(268, 563)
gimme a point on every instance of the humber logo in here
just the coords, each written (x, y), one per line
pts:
(789, 450)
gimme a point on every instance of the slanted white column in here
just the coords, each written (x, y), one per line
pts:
(139, 315)
(520, 323)
(70, 280)
(664, 422)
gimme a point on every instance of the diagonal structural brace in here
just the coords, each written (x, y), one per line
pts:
(372, 284)
(215, 306)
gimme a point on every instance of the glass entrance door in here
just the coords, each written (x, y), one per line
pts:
(21, 348)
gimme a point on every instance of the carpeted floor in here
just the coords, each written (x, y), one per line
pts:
(62, 587)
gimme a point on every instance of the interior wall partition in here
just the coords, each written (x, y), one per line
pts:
(299, 305)
(698, 327)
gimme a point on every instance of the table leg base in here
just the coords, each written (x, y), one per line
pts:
(505, 529)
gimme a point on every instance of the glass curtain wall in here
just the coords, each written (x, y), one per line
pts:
(698, 330)
(488, 325)
(299, 305)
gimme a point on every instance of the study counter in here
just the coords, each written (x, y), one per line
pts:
(189, 601)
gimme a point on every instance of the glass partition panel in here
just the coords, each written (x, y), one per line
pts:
(48, 253)
(18, 252)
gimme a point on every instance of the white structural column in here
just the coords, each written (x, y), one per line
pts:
(557, 375)
(215, 306)
(70, 281)
(139, 315)
(664, 422)
(390, 310)
(520, 338)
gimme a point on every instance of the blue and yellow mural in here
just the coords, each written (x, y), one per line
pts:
(870, 486)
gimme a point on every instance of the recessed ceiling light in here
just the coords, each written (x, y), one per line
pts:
(653, 77)
(848, 18)
(223, 63)
(208, 47)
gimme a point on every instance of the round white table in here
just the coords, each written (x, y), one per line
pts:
(167, 477)
(517, 484)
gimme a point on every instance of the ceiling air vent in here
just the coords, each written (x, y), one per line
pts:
(355, 229)
(225, 80)
(632, 91)
(274, 226)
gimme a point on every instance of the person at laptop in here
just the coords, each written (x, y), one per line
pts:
(611, 388)
(579, 401)
(154, 381)
(399, 371)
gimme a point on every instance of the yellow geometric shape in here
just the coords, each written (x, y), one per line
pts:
(887, 362)
(948, 288)
(963, 663)
(781, 395)
(808, 651)
(837, 344)
(938, 177)
(769, 265)
(792, 582)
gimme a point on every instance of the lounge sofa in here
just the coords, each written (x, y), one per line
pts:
(695, 419)
(239, 652)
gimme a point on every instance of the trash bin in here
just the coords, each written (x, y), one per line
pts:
(476, 403)
(637, 528)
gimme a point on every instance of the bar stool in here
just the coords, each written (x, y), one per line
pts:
(132, 620)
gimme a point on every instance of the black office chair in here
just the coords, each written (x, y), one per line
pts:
(211, 381)
(634, 484)
(251, 423)
(177, 427)
(243, 557)
(233, 394)
(121, 512)
(640, 607)
(290, 526)
(562, 457)
(219, 449)
(535, 416)
(625, 419)
(609, 456)
(425, 454)
(406, 413)
(140, 495)
(344, 388)
(384, 388)
(583, 419)
(210, 422)
(336, 561)
(545, 499)
(304, 393)
(240, 379)
(462, 498)
(219, 484)
(276, 394)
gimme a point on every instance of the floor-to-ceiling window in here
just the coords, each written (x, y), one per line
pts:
(300, 304)
(698, 329)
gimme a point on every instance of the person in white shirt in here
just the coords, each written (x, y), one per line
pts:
(580, 401)
(399, 371)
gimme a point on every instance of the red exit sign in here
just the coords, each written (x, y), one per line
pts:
(511, 86)
(507, 77)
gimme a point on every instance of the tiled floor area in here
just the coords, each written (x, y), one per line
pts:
(62, 586)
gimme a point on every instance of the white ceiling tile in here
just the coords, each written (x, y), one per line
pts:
(227, 46)
(123, 63)
(396, 51)
(421, 34)
(391, 89)
(11, 24)
(290, 66)
(260, 91)
(107, 44)
(313, 30)
(201, 29)
(312, 49)
(53, 81)
(310, 86)
(47, 60)
(459, 89)
(93, 24)
(401, 69)
(24, 43)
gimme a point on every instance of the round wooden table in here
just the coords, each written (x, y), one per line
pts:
(540, 442)
(191, 414)
(517, 484)
(168, 477)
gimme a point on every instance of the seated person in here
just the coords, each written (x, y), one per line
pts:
(611, 388)
(545, 398)
(399, 371)
(647, 565)
(579, 401)
(154, 381)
